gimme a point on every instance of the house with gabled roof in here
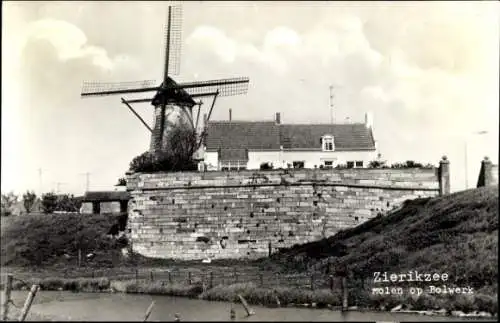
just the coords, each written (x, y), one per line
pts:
(238, 145)
(109, 202)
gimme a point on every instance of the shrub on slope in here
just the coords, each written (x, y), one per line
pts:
(456, 234)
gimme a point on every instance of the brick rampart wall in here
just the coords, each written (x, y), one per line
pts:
(238, 214)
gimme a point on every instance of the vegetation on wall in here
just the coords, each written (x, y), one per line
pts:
(122, 182)
(178, 156)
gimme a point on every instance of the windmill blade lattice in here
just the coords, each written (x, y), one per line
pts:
(173, 41)
(224, 87)
(107, 88)
(147, 100)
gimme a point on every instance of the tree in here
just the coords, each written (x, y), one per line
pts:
(49, 203)
(29, 199)
(67, 203)
(182, 143)
(8, 201)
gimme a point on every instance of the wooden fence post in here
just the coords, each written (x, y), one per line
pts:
(232, 313)
(331, 282)
(136, 276)
(6, 299)
(211, 279)
(151, 275)
(29, 301)
(148, 311)
(344, 293)
(248, 309)
(235, 275)
(189, 278)
(261, 278)
(270, 247)
(170, 277)
(79, 257)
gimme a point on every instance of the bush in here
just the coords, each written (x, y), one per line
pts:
(177, 156)
(163, 162)
(412, 164)
(29, 199)
(377, 164)
(49, 203)
(8, 201)
(266, 166)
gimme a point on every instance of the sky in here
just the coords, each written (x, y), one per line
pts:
(427, 71)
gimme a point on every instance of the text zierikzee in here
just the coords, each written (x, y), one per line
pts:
(415, 276)
(411, 276)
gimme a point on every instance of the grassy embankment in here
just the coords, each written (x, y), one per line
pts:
(456, 234)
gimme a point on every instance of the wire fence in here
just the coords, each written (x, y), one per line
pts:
(210, 276)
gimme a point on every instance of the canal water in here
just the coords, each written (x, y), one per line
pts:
(70, 306)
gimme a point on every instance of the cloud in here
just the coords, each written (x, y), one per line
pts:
(70, 42)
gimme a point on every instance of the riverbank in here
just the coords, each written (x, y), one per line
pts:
(478, 305)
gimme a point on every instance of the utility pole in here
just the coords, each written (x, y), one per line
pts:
(331, 104)
(87, 182)
(40, 181)
(58, 186)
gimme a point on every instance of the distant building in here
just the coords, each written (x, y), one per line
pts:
(237, 145)
(101, 202)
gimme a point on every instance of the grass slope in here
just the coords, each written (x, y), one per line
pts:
(455, 234)
(45, 239)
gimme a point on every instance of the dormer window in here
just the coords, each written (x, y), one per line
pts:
(328, 143)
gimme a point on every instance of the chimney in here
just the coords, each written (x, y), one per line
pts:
(278, 118)
(368, 120)
(230, 114)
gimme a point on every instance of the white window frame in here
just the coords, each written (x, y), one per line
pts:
(238, 164)
(325, 160)
(327, 143)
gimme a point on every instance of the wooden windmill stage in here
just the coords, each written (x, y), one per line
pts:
(171, 98)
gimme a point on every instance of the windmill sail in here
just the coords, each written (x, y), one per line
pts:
(108, 88)
(173, 41)
(224, 87)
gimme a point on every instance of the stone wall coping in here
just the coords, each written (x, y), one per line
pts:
(292, 171)
(319, 183)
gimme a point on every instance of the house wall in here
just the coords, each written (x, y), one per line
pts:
(211, 160)
(86, 208)
(255, 158)
(340, 157)
(240, 213)
(106, 207)
(311, 158)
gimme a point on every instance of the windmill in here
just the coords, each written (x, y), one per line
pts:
(171, 98)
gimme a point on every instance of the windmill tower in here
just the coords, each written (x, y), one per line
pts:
(173, 101)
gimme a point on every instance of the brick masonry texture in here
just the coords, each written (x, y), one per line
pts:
(238, 214)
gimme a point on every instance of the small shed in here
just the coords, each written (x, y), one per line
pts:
(98, 202)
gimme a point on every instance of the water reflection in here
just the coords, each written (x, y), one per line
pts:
(132, 307)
